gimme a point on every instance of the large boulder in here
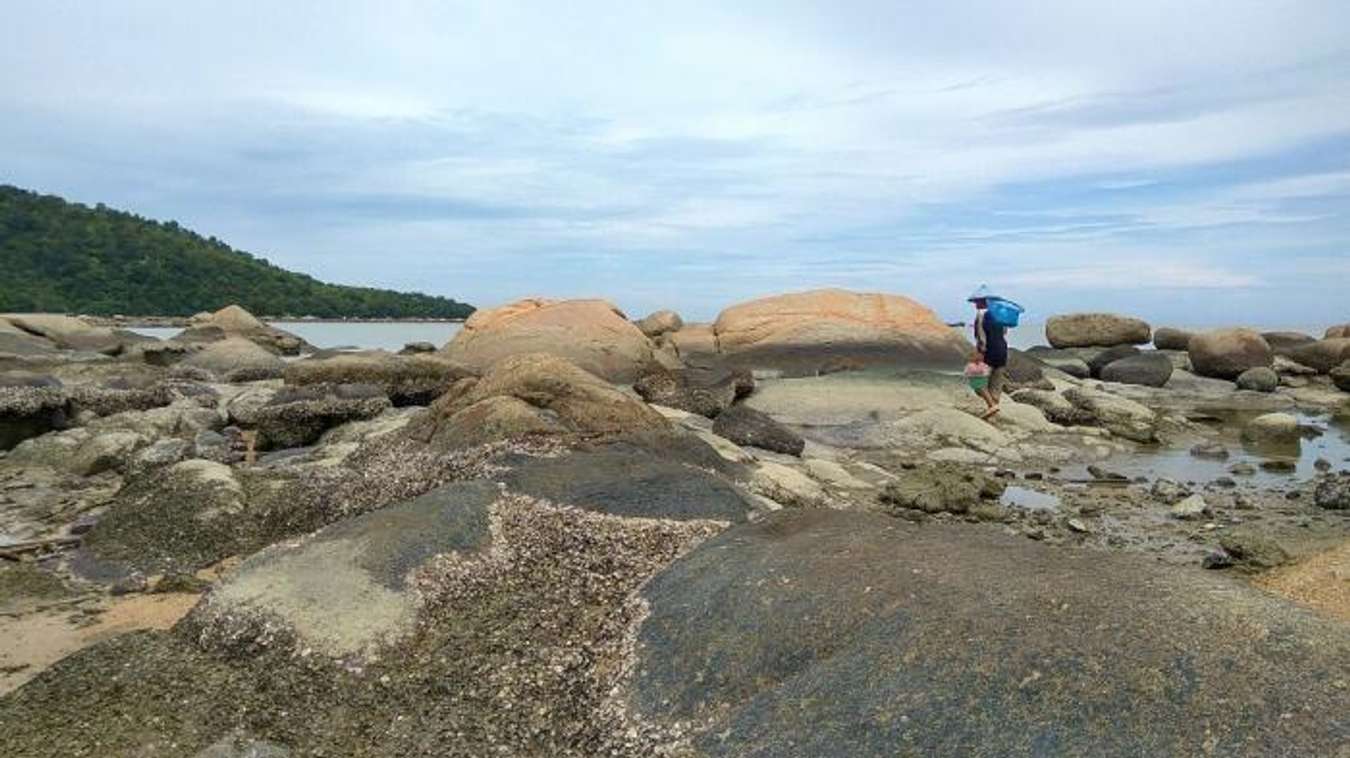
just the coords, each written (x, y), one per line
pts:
(1333, 492)
(1055, 407)
(1282, 342)
(298, 416)
(828, 633)
(233, 322)
(72, 333)
(591, 334)
(30, 405)
(746, 426)
(1226, 353)
(1272, 428)
(535, 393)
(1121, 416)
(405, 379)
(941, 488)
(1322, 355)
(1150, 369)
(804, 333)
(1068, 361)
(660, 323)
(1341, 331)
(1167, 338)
(1340, 376)
(1096, 330)
(1259, 379)
(1098, 360)
(235, 359)
(677, 389)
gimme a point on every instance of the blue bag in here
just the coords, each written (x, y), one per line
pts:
(1005, 312)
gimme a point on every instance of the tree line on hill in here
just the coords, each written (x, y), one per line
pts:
(66, 257)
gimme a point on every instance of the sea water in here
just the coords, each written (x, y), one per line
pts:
(365, 335)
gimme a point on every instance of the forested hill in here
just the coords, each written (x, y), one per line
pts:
(59, 256)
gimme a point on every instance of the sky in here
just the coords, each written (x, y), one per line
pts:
(1186, 162)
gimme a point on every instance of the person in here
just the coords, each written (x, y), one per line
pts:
(977, 375)
(991, 347)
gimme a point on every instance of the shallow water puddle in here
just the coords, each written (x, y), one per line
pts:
(1029, 500)
(1278, 464)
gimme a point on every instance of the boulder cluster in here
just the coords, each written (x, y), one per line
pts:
(570, 533)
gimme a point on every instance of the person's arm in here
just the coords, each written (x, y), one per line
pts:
(979, 333)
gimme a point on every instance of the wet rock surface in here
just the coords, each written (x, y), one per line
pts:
(854, 625)
(748, 427)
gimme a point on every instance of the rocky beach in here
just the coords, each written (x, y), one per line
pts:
(785, 532)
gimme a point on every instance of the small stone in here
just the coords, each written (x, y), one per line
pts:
(1078, 526)
(1242, 469)
(1322, 464)
(1279, 466)
(1210, 450)
(1217, 559)
(1225, 483)
(130, 584)
(1192, 507)
(1169, 490)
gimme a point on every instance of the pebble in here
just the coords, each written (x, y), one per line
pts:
(1078, 526)
(1217, 559)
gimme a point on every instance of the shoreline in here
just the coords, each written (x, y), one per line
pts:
(151, 322)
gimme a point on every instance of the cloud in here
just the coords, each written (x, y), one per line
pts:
(689, 155)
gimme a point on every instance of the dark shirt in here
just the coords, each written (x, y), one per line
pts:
(995, 340)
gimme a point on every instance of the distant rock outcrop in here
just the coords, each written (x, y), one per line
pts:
(1096, 330)
(1227, 353)
(592, 334)
(806, 332)
(234, 322)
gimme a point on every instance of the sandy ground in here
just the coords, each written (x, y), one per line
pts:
(36, 640)
(1321, 581)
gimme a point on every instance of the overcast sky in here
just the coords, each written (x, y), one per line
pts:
(1187, 161)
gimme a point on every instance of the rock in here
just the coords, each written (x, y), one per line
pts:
(674, 479)
(118, 396)
(694, 344)
(948, 427)
(405, 380)
(298, 416)
(233, 322)
(30, 405)
(787, 486)
(1272, 427)
(417, 348)
(834, 474)
(1122, 417)
(1210, 450)
(659, 323)
(159, 454)
(236, 359)
(1285, 366)
(1323, 355)
(1242, 469)
(348, 589)
(104, 452)
(1191, 508)
(672, 389)
(746, 426)
(1216, 559)
(1076, 525)
(165, 354)
(1180, 359)
(1103, 474)
(801, 333)
(1098, 360)
(1169, 490)
(1253, 549)
(1227, 353)
(70, 333)
(214, 446)
(1340, 376)
(1056, 407)
(1282, 342)
(1095, 330)
(181, 418)
(531, 394)
(1145, 369)
(1023, 370)
(758, 639)
(941, 488)
(1337, 332)
(591, 334)
(242, 409)
(1066, 361)
(181, 518)
(1259, 379)
(1333, 492)
(1279, 466)
(1167, 338)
